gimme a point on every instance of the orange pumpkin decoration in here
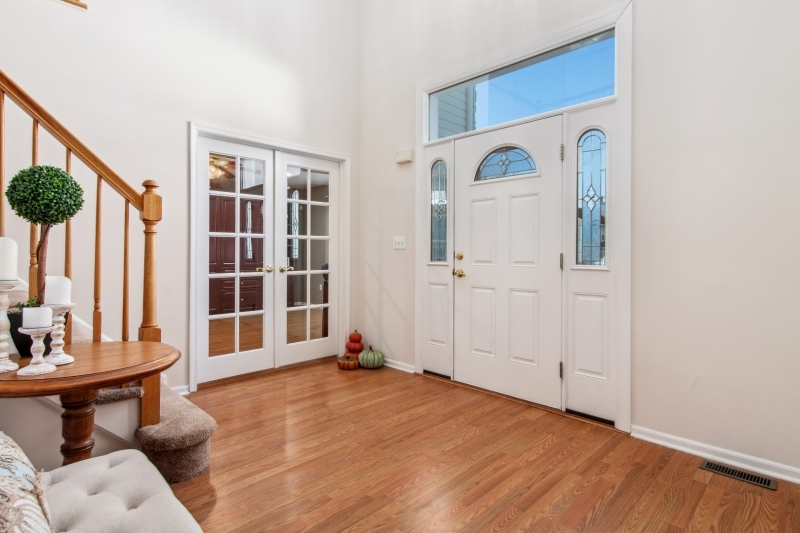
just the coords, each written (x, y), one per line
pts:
(355, 347)
(347, 363)
(356, 337)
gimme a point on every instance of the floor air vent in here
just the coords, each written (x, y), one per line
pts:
(755, 479)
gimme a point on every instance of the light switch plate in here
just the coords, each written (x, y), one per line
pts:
(399, 243)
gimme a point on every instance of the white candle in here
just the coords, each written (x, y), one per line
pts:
(37, 317)
(8, 258)
(58, 290)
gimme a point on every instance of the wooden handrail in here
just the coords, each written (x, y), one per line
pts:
(77, 3)
(148, 203)
(65, 137)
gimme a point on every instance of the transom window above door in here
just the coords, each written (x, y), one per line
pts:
(573, 74)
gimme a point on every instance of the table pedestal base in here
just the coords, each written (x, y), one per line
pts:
(77, 425)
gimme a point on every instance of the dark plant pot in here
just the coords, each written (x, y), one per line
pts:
(24, 342)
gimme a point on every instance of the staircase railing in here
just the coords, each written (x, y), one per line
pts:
(148, 203)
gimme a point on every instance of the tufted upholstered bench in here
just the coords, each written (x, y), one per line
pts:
(116, 493)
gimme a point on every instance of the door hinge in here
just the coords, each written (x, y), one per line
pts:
(562, 152)
(561, 370)
(561, 262)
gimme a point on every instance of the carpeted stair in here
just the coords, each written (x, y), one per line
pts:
(180, 445)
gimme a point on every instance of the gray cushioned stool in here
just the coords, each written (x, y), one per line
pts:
(121, 492)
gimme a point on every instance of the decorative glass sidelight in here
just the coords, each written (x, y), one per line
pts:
(439, 212)
(591, 211)
(505, 162)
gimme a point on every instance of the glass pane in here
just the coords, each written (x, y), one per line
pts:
(221, 296)
(319, 186)
(251, 332)
(221, 255)
(319, 254)
(319, 323)
(319, 220)
(296, 290)
(251, 216)
(319, 289)
(296, 254)
(251, 172)
(296, 330)
(251, 294)
(591, 238)
(296, 219)
(221, 336)
(222, 214)
(251, 253)
(221, 173)
(575, 73)
(296, 183)
(439, 211)
(505, 162)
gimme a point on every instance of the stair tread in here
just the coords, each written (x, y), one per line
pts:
(183, 424)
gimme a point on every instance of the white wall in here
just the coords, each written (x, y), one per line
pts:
(127, 77)
(715, 306)
(715, 312)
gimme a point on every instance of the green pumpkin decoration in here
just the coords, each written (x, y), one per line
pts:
(371, 358)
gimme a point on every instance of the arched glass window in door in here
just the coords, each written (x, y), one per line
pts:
(439, 212)
(591, 245)
(505, 162)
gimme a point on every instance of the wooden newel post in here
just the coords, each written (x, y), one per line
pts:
(150, 215)
(149, 330)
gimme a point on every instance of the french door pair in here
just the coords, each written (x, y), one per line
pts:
(267, 290)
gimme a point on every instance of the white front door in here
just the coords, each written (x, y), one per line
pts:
(507, 305)
(235, 243)
(306, 253)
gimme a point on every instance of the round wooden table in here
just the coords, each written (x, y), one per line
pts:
(96, 365)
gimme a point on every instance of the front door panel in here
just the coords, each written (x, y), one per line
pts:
(507, 308)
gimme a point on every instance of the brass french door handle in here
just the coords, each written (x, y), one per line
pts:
(459, 273)
(284, 268)
(267, 269)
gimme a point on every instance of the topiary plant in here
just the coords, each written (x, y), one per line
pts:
(46, 196)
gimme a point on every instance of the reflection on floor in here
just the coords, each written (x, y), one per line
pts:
(221, 332)
(315, 448)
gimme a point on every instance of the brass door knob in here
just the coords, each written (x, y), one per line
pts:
(459, 256)
(459, 273)
(267, 269)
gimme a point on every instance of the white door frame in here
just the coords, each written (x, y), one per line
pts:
(197, 130)
(621, 19)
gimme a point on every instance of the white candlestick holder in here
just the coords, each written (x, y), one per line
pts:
(37, 365)
(57, 355)
(6, 365)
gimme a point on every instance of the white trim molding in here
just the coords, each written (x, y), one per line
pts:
(183, 390)
(620, 18)
(721, 455)
(397, 365)
(197, 130)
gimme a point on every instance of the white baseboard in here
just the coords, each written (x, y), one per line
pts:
(183, 390)
(397, 365)
(721, 455)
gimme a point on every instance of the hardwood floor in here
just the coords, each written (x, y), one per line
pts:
(314, 448)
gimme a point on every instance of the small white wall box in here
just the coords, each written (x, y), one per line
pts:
(399, 243)
(404, 156)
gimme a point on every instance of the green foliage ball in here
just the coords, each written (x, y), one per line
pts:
(44, 195)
